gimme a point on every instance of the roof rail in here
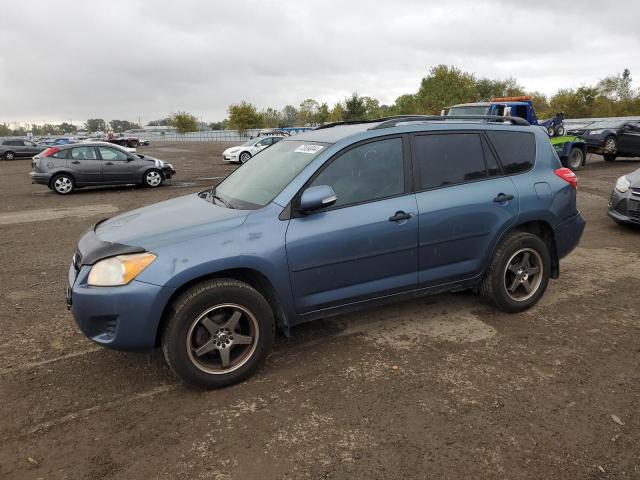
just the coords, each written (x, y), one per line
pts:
(392, 122)
(351, 122)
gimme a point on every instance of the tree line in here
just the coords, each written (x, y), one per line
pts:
(443, 86)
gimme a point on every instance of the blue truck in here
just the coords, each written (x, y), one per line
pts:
(572, 150)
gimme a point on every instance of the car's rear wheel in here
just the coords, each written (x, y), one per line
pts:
(575, 159)
(519, 273)
(153, 178)
(244, 157)
(218, 333)
(560, 131)
(9, 156)
(611, 145)
(63, 183)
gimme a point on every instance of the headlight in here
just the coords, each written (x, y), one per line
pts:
(119, 270)
(622, 184)
(594, 132)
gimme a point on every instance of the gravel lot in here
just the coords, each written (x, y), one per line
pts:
(441, 387)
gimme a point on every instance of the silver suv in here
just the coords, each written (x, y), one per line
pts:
(64, 168)
(11, 148)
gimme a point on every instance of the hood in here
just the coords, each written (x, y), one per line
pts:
(230, 149)
(158, 163)
(169, 222)
(634, 178)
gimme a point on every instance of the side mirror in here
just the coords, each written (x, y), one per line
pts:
(315, 198)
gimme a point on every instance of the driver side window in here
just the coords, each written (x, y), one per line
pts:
(112, 154)
(367, 172)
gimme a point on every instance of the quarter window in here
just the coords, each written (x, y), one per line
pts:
(448, 159)
(516, 150)
(367, 172)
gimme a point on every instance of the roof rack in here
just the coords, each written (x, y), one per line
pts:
(394, 121)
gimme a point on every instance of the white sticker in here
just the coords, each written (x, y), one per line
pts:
(308, 149)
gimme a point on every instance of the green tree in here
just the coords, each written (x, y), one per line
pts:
(184, 122)
(445, 86)
(122, 125)
(223, 125)
(323, 114)
(405, 105)
(163, 122)
(337, 113)
(5, 131)
(354, 108)
(95, 125)
(243, 116)
(289, 116)
(308, 112)
(270, 118)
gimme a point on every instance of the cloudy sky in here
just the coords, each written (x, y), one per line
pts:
(128, 59)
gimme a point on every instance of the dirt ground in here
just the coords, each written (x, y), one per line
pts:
(442, 387)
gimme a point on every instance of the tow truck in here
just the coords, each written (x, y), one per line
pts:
(572, 150)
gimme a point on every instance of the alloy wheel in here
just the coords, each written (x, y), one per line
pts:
(222, 339)
(523, 274)
(154, 179)
(63, 185)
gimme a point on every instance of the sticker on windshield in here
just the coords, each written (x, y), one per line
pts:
(308, 149)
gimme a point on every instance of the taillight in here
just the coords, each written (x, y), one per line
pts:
(50, 151)
(568, 176)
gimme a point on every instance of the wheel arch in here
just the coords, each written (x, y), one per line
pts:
(62, 172)
(251, 277)
(543, 230)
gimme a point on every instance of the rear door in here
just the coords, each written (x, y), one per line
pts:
(118, 166)
(464, 203)
(85, 165)
(365, 246)
(31, 148)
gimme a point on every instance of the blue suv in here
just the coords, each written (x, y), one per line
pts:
(337, 219)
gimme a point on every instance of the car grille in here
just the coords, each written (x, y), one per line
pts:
(635, 191)
(634, 209)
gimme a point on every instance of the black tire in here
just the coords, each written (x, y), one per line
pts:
(575, 160)
(494, 284)
(184, 325)
(9, 155)
(609, 158)
(133, 144)
(560, 131)
(610, 147)
(153, 178)
(63, 184)
(244, 157)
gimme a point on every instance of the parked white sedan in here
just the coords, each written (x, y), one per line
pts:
(244, 152)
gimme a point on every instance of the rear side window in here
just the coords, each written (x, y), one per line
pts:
(516, 150)
(83, 153)
(60, 154)
(448, 159)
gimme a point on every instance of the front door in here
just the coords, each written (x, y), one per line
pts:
(364, 246)
(118, 167)
(85, 165)
(463, 202)
(629, 140)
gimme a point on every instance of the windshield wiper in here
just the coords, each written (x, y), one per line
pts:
(213, 196)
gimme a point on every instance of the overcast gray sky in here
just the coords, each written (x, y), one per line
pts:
(70, 60)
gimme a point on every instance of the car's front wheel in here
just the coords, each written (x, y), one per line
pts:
(153, 178)
(244, 157)
(519, 273)
(218, 333)
(9, 156)
(63, 184)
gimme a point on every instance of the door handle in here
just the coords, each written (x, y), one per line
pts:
(75, 162)
(399, 216)
(501, 198)
(109, 163)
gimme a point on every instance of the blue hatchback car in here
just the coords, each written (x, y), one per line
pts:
(337, 219)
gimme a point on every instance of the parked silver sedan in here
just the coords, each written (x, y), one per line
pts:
(624, 204)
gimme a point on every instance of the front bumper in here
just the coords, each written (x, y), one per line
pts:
(625, 207)
(168, 172)
(40, 178)
(231, 157)
(568, 233)
(121, 318)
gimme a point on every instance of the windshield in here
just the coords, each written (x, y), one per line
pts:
(469, 110)
(251, 141)
(259, 180)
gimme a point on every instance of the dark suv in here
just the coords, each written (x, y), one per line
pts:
(66, 167)
(341, 218)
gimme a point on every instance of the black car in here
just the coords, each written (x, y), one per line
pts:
(66, 167)
(612, 138)
(11, 148)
